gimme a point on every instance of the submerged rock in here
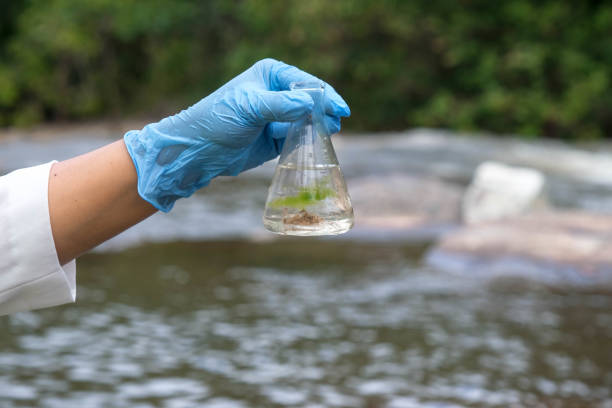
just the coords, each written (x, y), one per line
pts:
(397, 204)
(553, 247)
(498, 191)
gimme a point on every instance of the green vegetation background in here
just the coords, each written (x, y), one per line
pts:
(528, 67)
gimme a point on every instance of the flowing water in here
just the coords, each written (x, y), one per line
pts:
(203, 308)
(295, 323)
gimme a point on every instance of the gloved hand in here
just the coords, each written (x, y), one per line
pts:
(239, 126)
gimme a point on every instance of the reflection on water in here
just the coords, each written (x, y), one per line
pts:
(307, 323)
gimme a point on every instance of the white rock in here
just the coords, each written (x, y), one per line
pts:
(498, 191)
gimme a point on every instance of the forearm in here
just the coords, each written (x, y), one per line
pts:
(92, 198)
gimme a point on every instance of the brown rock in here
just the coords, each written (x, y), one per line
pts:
(554, 246)
(402, 204)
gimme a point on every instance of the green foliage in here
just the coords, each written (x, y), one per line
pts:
(519, 66)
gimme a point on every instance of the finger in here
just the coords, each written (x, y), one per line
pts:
(332, 124)
(266, 147)
(283, 106)
(279, 130)
(334, 104)
(281, 76)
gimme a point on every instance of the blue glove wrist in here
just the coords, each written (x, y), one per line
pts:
(167, 165)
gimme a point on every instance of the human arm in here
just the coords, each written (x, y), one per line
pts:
(50, 214)
(241, 125)
(64, 209)
(92, 198)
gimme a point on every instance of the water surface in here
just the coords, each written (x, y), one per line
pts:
(315, 323)
(203, 308)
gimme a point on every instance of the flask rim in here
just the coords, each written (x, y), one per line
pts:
(313, 85)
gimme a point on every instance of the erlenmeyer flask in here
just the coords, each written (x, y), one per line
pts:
(308, 195)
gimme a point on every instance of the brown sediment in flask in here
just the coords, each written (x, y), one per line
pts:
(302, 218)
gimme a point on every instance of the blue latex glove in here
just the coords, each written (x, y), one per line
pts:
(241, 125)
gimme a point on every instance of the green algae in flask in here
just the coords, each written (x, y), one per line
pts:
(308, 194)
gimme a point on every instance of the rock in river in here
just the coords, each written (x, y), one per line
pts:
(559, 248)
(498, 191)
(397, 204)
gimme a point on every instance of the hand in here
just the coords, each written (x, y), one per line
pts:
(241, 125)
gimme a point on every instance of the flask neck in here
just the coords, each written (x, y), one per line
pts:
(316, 90)
(308, 143)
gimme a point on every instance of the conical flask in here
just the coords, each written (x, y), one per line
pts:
(308, 195)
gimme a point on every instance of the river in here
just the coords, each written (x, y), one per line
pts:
(203, 308)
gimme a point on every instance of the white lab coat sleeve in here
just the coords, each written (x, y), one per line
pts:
(30, 274)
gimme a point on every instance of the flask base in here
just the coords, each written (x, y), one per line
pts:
(325, 227)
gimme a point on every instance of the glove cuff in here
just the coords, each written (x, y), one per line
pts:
(164, 173)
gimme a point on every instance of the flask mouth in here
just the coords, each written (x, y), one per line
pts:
(316, 90)
(313, 86)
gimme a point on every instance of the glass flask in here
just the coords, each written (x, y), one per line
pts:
(308, 195)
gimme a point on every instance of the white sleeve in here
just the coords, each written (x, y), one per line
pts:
(30, 274)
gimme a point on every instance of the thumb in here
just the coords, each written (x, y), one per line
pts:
(280, 106)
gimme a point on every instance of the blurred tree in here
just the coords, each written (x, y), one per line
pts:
(519, 66)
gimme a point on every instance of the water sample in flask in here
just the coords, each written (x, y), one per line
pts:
(308, 194)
